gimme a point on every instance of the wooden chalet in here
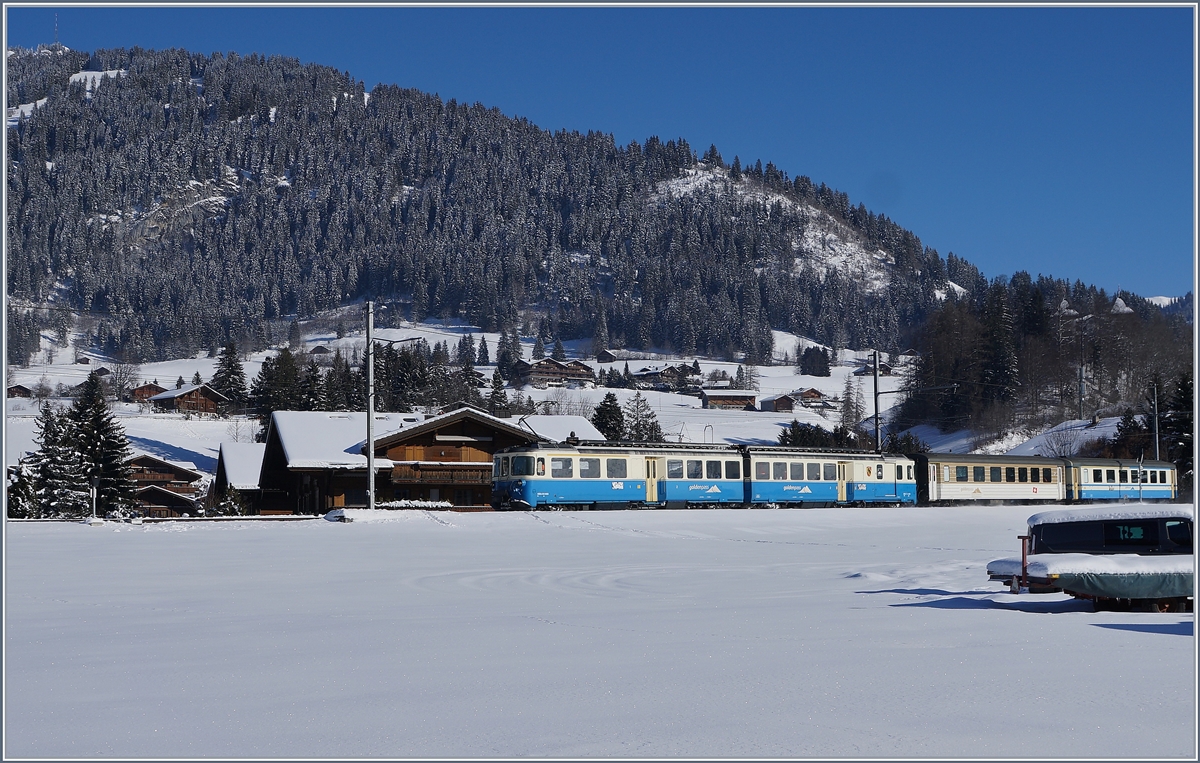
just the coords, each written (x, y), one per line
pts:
(155, 501)
(146, 391)
(19, 390)
(778, 403)
(550, 371)
(150, 470)
(238, 467)
(198, 398)
(885, 369)
(733, 399)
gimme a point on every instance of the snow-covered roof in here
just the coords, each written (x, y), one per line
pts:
(332, 440)
(1120, 511)
(243, 462)
(559, 428)
(174, 393)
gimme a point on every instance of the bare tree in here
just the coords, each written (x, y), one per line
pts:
(240, 429)
(123, 378)
(1060, 443)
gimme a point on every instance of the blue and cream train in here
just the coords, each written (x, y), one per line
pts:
(598, 475)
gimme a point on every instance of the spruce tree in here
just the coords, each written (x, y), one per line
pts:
(641, 425)
(1177, 432)
(230, 377)
(609, 418)
(197, 379)
(559, 353)
(539, 349)
(483, 358)
(497, 400)
(104, 447)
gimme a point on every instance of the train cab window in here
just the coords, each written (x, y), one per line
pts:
(1023, 474)
(878, 471)
(960, 474)
(541, 467)
(1097, 475)
(908, 471)
(562, 467)
(733, 470)
(762, 470)
(1123, 476)
(504, 467)
(1035, 475)
(712, 470)
(814, 472)
(779, 470)
(1179, 532)
(899, 472)
(1010, 474)
(615, 468)
(1110, 475)
(980, 473)
(829, 472)
(797, 471)
(695, 470)
(674, 468)
(589, 468)
(994, 475)
(522, 466)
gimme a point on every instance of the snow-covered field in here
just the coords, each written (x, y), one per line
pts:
(851, 632)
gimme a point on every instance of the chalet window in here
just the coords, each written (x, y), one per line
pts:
(779, 470)
(980, 472)
(522, 466)
(562, 467)
(1010, 474)
(960, 474)
(712, 470)
(615, 468)
(674, 469)
(814, 472)
(733, 470)
(797, 471)
(994, 474)
(762, 470)
(829, 471)
(589, 468)
(695, 470)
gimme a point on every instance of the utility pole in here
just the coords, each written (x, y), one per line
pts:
(370, 405)
(878, 443)
(1155, 388)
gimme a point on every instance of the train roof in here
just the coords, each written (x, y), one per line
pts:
(1122, 463)
(975, 458)
(606, 446)
(1121, 511)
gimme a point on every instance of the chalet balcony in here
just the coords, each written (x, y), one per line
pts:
(442, 473)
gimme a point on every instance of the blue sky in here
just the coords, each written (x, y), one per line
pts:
(1052, 140)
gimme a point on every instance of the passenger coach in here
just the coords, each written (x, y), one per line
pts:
(1104, 479)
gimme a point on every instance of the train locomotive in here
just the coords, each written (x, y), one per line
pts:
(610, 475)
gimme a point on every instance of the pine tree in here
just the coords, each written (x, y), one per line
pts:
(104, 447)
(641, 425)
(179, 382)
(197, 379)
(497, 400)
(483, 358)
(230, 377)
(539, 349)
(559, 353)
(1176, 432)
(609, 418)
(22, 494)
(60, 484)
(600, 337)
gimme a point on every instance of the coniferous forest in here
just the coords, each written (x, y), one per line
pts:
(189, 201)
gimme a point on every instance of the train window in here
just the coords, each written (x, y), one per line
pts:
(1154, 476)
(504, 467)
(1035, 475)
(878, 471)
(522, 466)
(695, 470)
(674, 468)
(994, 476)
(899, 472)
(541, 467)
(779, 470)
(1162, 477)
(589, 468)
(945, 474)
(1123, 476)
(829, 472)
(1046, 474)
(615, 468)
(1134, 476)
(733, 470)
(1111, 474)
(1097, 475)
(1023, 474)
(979, 474)
(814, 472)
(908, 470)
(712, 470)
(762, 470)
(797, 471)
(562, 467)
(960, 474)
(1010, 474)
(1179, 532)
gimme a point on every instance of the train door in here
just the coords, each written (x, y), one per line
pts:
(843, 474)
(652, 480)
